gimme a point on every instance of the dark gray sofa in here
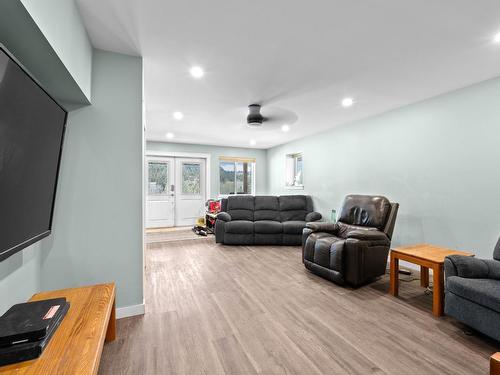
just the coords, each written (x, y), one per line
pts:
(472, 293)
(354, 250)
(264, 220)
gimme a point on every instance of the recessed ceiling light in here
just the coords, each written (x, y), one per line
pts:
(253, 142)
(496, 39)
(285, 128)
(178, 115)
(169, 135)
(197, 71)
(347, 102)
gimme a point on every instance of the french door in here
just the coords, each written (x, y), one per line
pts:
(160, 199)
(176, 191)
(190, 190)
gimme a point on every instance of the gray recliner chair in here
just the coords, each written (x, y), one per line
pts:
(472, 293)
(354, 250)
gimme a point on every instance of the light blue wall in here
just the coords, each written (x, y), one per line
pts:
(97, 234)
(439, 159)
(19, 277)
(215, 152)
(62, 26)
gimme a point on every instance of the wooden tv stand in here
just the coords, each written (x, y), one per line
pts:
(76, 346)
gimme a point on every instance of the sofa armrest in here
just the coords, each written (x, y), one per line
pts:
(313, 216)
(323, 227)
(224, 216)
(373, 236)
(467, 267)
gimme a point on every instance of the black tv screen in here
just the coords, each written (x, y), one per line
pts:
(32, 128)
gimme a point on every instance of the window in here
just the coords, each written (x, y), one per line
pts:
(236, 176)
(191, 178)
(294, 171)
(158, 178)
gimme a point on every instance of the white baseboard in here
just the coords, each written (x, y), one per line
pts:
(128, 311)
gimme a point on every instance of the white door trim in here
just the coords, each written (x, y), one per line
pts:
(194, 155)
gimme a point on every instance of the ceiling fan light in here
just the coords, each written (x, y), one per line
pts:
(347, 102)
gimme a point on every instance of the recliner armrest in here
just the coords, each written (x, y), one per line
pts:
(493, 268)
(369, 236)
(313, 216)
(224, 216)
(323, 227)
(466, 267)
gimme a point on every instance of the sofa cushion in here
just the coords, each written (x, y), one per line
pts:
(247, 215)
(239, 227)
(293, 207)
(485, 292)
(292, 202)
(293, 227)
(266, 208)
(365, 210)
(268, 227)
(266, 215)
(295, 215)
(267, 203)
(241, 207)
(240, 202)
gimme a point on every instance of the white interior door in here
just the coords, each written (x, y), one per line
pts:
(160, 200)
(190, 190)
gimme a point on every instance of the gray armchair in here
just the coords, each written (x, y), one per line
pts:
(473, 291)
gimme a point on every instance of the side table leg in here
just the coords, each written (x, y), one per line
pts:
(438, 290)
(111, 331)
(495, 364)
(424, 277)
(394, 275)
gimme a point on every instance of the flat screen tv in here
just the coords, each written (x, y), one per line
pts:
(32, 128)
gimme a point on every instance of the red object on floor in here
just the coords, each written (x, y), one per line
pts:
(214, 207)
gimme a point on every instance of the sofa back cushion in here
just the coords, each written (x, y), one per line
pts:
(241, 207)
(294, 207)
(365, 210)
(267, 208)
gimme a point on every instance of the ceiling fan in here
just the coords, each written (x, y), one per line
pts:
(273, 116)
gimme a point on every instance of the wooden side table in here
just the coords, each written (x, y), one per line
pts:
(77, 344)
(427, 257)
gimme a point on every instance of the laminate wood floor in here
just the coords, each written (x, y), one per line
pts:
(214, 309)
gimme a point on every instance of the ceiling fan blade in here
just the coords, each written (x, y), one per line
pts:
(279, 116)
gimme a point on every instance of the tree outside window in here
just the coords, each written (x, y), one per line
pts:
(236, 177)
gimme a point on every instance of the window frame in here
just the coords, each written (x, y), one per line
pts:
(235, 160)
(295, 156)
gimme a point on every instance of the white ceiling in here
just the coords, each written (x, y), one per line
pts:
(298, 56)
